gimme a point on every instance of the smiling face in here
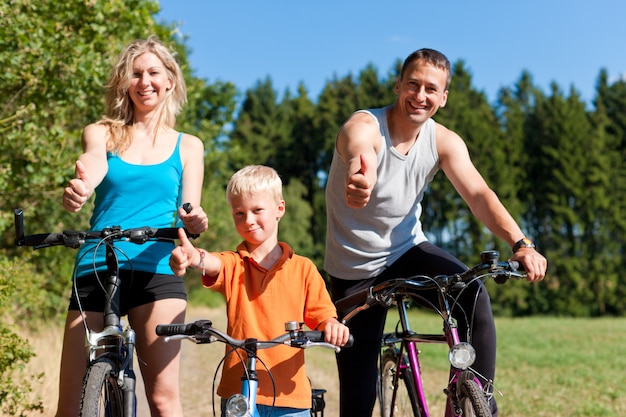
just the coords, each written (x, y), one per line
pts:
(256, 217)
(149, 83)
(421, 91)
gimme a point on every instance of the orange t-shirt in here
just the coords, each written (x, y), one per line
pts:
(258, 303)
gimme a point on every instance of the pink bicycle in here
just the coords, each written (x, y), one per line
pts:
(400, 387)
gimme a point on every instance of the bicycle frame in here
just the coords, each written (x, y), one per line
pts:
(409, 340)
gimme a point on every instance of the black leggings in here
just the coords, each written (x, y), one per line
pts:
(357, 366)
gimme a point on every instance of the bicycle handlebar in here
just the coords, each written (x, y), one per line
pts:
(74, 239)
(489, 267)
(202, 331)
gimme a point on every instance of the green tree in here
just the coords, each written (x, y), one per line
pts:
(56, 57)
(568, 160)
(261, 127)
(450, 221)
(609, 177)
(16, 385)
(514, 106)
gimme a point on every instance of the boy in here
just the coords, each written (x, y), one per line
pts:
(265, 285)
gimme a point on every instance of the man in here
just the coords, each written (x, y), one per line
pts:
(383, 162)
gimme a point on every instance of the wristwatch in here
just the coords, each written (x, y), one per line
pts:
(523, 243)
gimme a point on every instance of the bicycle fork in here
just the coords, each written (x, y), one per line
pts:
(119, 346)
(244, 404)
(461, 356)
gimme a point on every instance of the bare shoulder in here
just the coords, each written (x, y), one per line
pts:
(95, 135)
(448, 141)
(191, 150)
(360, 130)
(191, 143)
(360, 120)
(96, 129)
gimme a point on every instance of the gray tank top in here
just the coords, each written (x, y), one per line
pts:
(361, 243)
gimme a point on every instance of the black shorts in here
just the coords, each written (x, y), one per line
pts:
(137, 288)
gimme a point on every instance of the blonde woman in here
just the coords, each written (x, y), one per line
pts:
(141, 171)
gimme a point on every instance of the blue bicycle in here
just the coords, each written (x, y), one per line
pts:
(243, 404)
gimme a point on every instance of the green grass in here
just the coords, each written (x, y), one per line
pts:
(546, 366)
(562, 366)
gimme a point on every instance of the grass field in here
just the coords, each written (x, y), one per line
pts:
(547, 366)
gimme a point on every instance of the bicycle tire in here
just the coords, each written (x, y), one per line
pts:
(472, 399)
(102, 396)
(406, 403)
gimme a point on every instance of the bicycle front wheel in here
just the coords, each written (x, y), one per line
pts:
(471, 398)
(102, 396)
(405, 403)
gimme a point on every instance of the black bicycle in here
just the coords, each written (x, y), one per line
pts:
(400, 387)
(109, 383)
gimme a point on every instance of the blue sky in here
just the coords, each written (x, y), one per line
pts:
(293, 41)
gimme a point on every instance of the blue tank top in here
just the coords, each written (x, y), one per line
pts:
(134, 196)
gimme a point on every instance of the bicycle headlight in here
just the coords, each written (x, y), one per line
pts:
(237, 406)
(462, 355)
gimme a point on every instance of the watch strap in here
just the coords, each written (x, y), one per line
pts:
(523, 243)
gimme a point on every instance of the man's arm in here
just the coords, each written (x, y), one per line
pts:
(358, 142)
(455, 162)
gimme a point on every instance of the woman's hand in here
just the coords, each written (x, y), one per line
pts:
(78, 190)
(196, 221)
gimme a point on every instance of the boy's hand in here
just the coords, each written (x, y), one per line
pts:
(184, 255)
(335, 332)
(195, 221)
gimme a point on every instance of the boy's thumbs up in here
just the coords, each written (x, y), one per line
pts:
(184, 240)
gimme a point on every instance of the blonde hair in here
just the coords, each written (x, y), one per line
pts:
(255, 179)
(119, 111)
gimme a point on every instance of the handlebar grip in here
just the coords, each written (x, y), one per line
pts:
(167, 233)
(188, 207)
(315, 336)
(318, 336)
(346, 303)
(39, 240)
(188, 329)
(171, 233)
(517, 266)
(174, 329)
(18, 218)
